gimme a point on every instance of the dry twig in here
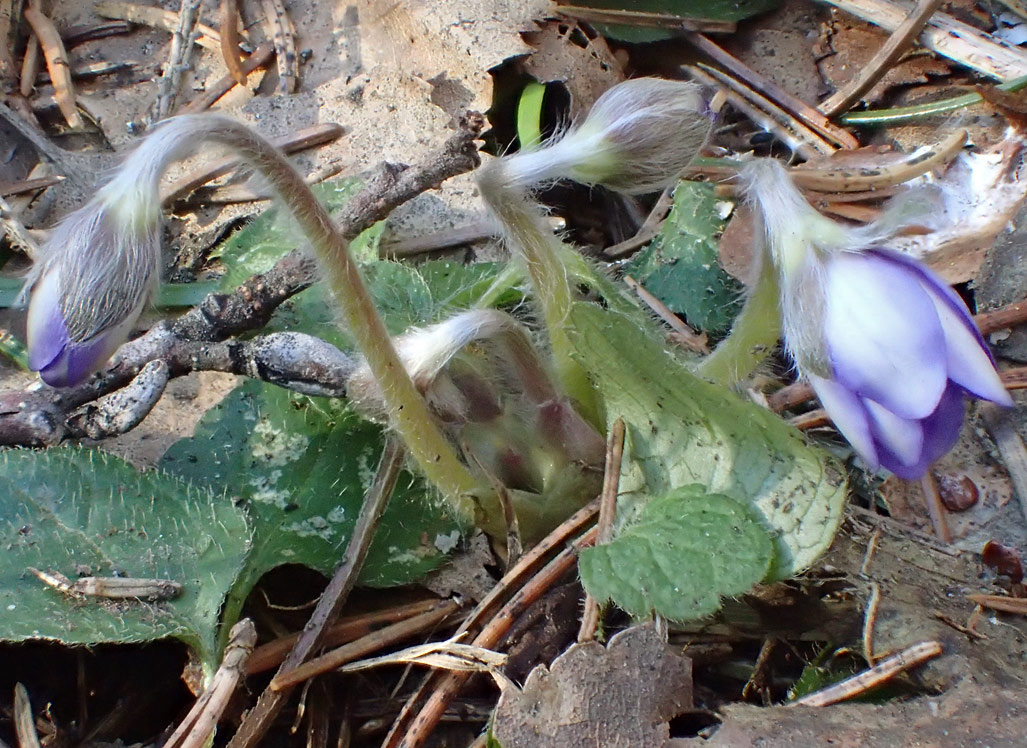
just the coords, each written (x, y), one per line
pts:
(260, 57)
(228, 20)
(257, 721)
(198, 726)
(764, 112)
(870, 620)
(813, 119)
(649, 229)
(56, 58)
(884, 671)
(645, 19)
(1000, 603)
(30, 60)
(284, 37)
(182, 39)
(935, 509)
(607, 512)
(410, 730)
(158, 18)
(948, 37)
(368, 644)
(882, 61)
(686, 336)
(7, 67)
(343, 631)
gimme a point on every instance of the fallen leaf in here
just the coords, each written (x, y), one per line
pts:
(620, 696)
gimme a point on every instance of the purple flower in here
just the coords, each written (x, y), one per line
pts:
(902, 350)
(889, 348)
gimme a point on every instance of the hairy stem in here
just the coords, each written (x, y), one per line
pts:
(753, 336)
(543, 254)
(407, 411)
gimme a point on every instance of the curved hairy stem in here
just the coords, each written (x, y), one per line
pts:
(407, 411)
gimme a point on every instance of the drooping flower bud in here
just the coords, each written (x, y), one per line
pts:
(638, 137)
(100, 265)
(95, 274)
(889, 348)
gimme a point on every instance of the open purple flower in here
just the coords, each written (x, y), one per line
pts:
(902, 350)
(889, 348)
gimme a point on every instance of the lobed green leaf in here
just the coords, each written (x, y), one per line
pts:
(681, 555)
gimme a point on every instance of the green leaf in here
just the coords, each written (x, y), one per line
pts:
(681, 555)
(302, 466)
(715, 10)
(683, 430)
(79, 511)
(680, 266)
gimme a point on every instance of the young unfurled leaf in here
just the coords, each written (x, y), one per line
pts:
(75, 512)
(680, 556)
(680, 265)
(683, 430)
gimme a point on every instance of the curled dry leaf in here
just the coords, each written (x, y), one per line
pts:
(620, 695)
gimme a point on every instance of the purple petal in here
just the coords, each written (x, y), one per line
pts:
(79, 360)
(46, 332)
(849, 416)
(968, 357)
(901, 437)
(883, 334)
(941, 432)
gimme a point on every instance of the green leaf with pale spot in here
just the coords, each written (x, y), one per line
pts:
(79, 512)
(680, 266)
(680, 556)
(302, 467)
(683, 430)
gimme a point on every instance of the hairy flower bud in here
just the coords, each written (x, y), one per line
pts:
(95, 274)
(889, 348)
(101, 264)
(638, 137)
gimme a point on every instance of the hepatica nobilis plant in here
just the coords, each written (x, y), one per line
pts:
(489, 409)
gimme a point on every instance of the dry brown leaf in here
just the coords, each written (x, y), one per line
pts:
(620, 696)
(854, 43)
(587, 70)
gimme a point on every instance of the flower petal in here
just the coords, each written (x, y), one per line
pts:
(883, 335)
(968, 358)
(902, 437)
(45, 329)
(941, 432)
(849, 416)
